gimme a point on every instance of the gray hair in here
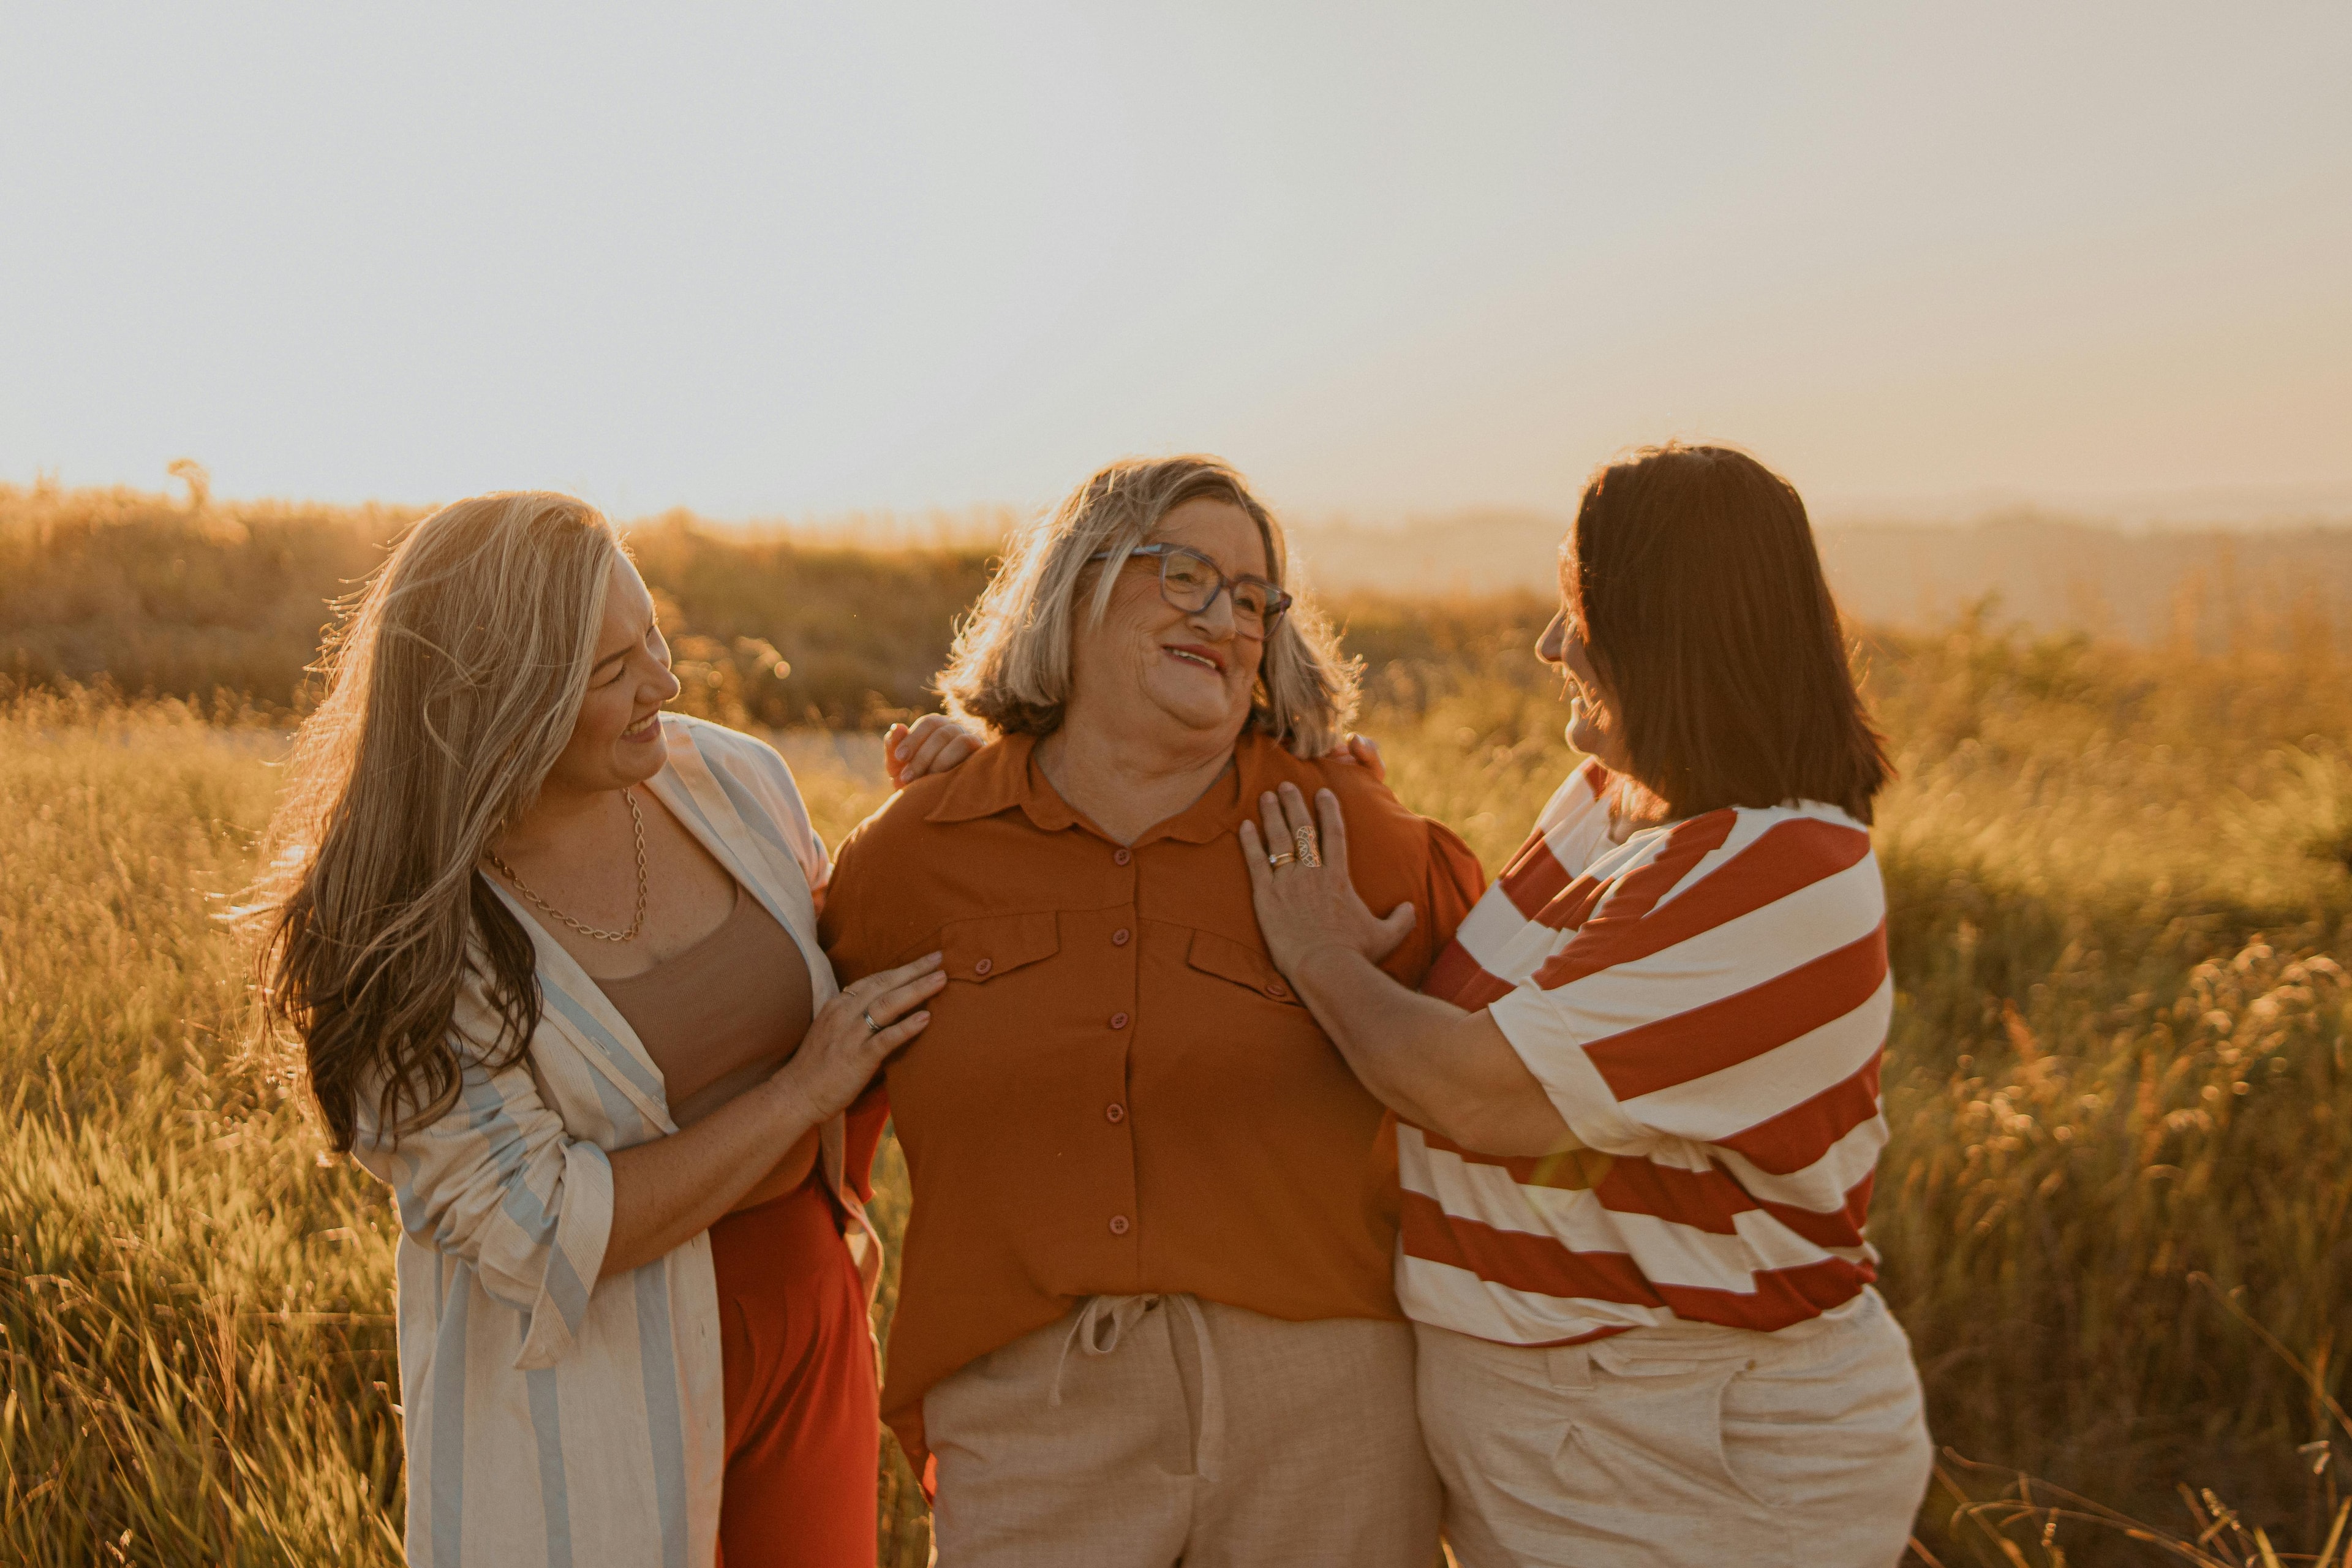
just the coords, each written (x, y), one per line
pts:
(1011, 667)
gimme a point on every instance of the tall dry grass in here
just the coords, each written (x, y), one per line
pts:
(197, 1345)
(194, 1307)
(2119, 893)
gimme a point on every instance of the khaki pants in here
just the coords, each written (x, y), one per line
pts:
(1147, 1431)
(1685, 1445)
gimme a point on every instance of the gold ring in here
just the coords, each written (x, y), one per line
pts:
(1309, 853)
(1284, 859)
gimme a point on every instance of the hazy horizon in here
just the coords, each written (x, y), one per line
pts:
(2163, 581)
(2240, 509)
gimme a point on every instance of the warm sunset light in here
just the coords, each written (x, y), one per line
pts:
(764, 260)
(1281, 785)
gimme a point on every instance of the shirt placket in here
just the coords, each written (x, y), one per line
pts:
(1110, 944)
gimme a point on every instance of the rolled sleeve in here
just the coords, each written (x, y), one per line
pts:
(499, 1184)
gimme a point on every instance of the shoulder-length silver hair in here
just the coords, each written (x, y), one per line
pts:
(453, 683)
(1011, 667)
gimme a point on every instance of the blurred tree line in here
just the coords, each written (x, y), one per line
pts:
(225, 603)
(215, 602)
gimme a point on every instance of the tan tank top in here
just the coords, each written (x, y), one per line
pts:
(720, 1017)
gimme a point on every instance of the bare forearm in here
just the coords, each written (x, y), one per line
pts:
(671, 1190)
(1435, 1065)
(1390, 1035)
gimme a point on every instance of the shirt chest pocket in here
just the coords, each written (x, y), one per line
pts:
(991, 946)
(1239, 963)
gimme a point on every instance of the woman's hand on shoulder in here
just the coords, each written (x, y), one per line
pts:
(1303, 905)
(1363, 752)
(934, 744)
(854, 1034)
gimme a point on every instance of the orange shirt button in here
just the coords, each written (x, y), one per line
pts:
(1114, 1111)
(1277, 991)
(1122, 857)
(1119, 1020)
(983, 966)
(1119, 937)
(1118, 1225)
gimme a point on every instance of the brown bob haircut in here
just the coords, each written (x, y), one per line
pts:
(1692, 578)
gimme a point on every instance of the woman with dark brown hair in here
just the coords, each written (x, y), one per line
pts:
(1638, 1095)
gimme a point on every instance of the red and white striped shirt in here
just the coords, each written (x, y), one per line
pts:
(1706, 1005)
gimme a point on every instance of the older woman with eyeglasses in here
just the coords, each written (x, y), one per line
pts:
(1146, 1313)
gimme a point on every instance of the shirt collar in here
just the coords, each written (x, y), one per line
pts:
(1005, 775)
(997, 778)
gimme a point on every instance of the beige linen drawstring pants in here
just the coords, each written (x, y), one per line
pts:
(1145, 1431)
(1681, 1446)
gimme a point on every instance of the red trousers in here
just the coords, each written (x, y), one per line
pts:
(803, 1426)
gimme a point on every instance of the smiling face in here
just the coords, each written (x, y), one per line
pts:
(1165, 674)
(1594, 727)
(617, 740)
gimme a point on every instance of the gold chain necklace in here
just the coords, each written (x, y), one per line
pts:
(637, 822)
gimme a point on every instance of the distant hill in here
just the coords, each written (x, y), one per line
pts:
(1472, 553)
(2052, 572)
(2211, 587)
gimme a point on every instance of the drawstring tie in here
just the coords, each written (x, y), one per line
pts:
(1104, 1321)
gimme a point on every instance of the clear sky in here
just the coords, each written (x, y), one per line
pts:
(774, 259)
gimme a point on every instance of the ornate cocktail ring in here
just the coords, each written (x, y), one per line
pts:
(1309, 853)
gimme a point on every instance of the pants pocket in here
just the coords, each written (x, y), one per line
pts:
(1741, 1443)
(1659, 1430)
(1841, 1428)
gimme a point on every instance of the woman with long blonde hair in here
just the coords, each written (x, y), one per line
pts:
(552, 958)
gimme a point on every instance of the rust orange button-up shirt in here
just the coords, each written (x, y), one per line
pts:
(1118, 1092)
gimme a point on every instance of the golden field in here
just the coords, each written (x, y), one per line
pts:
(2120, 1078)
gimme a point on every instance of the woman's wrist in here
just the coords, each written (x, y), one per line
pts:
(1328, 963)
(789, 1102)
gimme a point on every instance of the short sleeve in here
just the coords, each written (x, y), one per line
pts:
(1448, 886)
(842, 923)
(1733, 976)
(1456, 882)
(1549, 1043)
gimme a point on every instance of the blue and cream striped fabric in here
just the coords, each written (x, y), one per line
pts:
(552, 1418)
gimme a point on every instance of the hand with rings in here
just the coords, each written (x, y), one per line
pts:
(856, 1032)
(1305, 897)
(1305, 849)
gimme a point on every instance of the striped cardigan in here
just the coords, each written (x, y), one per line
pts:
(554, 1418)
